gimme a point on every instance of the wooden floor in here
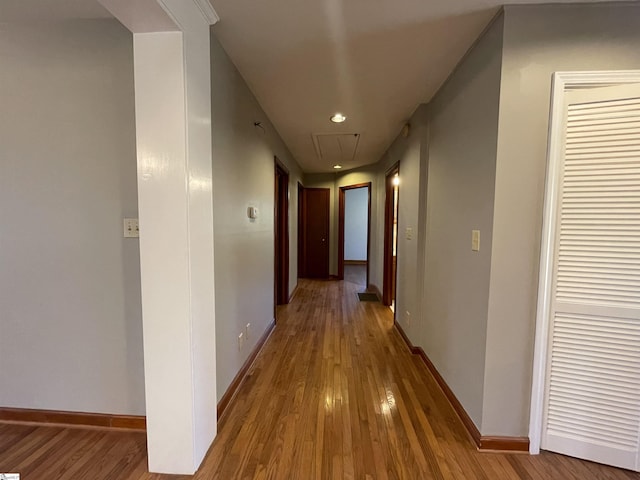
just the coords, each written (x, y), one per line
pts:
(335, 394)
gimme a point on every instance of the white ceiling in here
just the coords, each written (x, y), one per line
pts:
(21, 11)
(373, 60)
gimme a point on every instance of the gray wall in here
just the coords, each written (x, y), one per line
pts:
(356, 208)
(538, 41)
(463, 132)
(70, 314)
(409, 152)
(243, 176)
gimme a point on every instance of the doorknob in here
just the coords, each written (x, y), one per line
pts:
(323, 240)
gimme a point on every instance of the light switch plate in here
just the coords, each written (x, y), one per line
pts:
(408, 233)
(131, 228)
(475, 240)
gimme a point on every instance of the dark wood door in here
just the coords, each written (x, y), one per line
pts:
(281, 236)
(390, 235)
(315, 222)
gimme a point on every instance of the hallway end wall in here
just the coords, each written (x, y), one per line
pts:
(243, 176)
(333, 181)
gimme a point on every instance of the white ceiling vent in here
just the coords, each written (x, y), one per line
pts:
(336, 148)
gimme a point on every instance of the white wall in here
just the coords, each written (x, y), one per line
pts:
(243, 176)
(356, 214)
(538, 40)
(70, 314)
(173, 138)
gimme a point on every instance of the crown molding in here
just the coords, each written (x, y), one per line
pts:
(207, 11)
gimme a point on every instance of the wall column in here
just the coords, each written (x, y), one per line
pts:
(173, 137)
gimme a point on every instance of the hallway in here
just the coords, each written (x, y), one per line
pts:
(335, 394)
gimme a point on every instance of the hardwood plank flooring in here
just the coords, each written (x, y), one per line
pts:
(335, 394)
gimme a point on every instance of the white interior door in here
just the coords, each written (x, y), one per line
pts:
(592, 391)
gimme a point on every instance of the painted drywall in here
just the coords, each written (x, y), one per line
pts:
(537, 41)
(243, 176)
(409, 152)
(70, 315)
(173, 135)
(356, 215)
(463, 132)
(333, 181)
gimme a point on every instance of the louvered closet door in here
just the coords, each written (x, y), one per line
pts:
(592, 402)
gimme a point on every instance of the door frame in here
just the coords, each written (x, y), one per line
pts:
(341, 218)
(561, 83)
(388, 271)
(281, 235)
(302, 218)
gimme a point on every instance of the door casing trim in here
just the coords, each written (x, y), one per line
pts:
(341, 222)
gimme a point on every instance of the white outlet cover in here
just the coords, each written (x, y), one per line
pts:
(475, 240)
(131, 228)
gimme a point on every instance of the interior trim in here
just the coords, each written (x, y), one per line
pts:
(374, 288)
(224, 402)
(281, 234)
(208, 12)
(80, 419)
(341, 225)
(483, 443)
(293, 294)
(389, 272)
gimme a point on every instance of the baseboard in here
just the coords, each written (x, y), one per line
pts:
(355, 262)
(483, 443)
(373, 288)
(504, 444)
(80, 419)
(239, 378)
(293, 294)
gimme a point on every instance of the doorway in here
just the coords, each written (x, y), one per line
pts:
(391, 214)
(313, 228)
(354, 228)
(586, 389)
(281, 223)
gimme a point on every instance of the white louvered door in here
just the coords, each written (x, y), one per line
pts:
(592, 397)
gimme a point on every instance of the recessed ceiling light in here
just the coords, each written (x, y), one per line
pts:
(337, 167)
(338, 118)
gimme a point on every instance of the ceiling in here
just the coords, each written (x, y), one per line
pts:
(373, 60)
(22, 11)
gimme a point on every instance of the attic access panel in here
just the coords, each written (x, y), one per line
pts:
(336, 148)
